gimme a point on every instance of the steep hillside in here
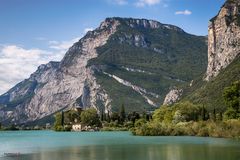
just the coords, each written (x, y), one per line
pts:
(210, 94)
(223, 59)
(124, 61)
(154, 58)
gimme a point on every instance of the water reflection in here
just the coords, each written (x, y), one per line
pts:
(137, 152)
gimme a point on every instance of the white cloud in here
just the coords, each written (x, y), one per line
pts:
(87, 29)
(17, 62)
(185, 12)
(143, 3)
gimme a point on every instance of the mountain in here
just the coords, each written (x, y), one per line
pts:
(127, 61)
(223, 59)
(223, 38)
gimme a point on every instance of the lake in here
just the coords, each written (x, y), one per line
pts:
(49, 145)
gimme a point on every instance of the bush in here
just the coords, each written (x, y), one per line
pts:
(129, 124)
(140, 122)
(230, 114)
(232, 128)
(114, 124)
(228, 129)
(178, 117)
(67, 128)
(114, 129)
(59, 128)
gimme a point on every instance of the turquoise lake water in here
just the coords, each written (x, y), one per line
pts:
(49, 145)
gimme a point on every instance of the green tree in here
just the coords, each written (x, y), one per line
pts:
(133, 116)
(146, 116)
(230, 113)
(108, 118)
(115, 117)
(189, 110)
(159, 114)
(232, 96)
(122, 114)
(214, 115)
(90, 117)
(103, 116)
(178, 117)
(62, 118)
(70, 116)
(203, 114)
(58, 122)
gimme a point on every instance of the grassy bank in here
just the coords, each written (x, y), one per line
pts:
(221, 129)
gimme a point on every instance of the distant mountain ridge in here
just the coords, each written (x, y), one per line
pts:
(124, 61)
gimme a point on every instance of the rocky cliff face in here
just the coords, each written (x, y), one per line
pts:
(173, 96)
(124, 61)
(223, 38)
(59, 85)
(74, 79)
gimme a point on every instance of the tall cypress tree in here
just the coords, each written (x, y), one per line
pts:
(62, 118)
(214, 114)
(203, 113)
(122, 114)
(108, 117)
(103, 115)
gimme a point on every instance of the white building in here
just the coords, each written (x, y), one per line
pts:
(77, 127)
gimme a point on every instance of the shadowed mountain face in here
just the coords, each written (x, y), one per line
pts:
(126, 61)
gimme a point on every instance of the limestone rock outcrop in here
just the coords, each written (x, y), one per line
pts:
(57, 85)
(173, 96)
(223, 38)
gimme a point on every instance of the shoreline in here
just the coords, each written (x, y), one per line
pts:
(118, 131)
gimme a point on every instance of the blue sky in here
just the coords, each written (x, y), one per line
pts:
(33, 32)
